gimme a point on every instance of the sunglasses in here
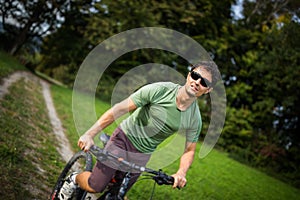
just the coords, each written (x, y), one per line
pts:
(204, 82)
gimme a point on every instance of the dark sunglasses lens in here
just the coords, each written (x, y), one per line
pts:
(196, 76)
(203, 83)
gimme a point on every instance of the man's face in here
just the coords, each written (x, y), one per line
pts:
(195, 83)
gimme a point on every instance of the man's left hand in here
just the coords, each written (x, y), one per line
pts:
(179, 180)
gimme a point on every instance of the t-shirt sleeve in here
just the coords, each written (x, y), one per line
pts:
(144, 95)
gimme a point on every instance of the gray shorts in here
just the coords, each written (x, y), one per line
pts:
(104, 172)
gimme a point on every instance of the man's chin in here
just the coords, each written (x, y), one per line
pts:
(192, 93)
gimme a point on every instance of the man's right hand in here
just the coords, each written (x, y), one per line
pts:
(85, 142)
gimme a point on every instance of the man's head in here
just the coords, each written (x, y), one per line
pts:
(210, 67)
(202, 78)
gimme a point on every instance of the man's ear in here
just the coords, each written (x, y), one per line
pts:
(208, 90)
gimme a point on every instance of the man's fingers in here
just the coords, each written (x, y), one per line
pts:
(179, 182)
(85, 143)
(176, 182)
(82, 145)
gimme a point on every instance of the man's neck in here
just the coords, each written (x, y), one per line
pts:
(183, 99)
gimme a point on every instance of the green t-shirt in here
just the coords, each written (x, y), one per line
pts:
(157, 117)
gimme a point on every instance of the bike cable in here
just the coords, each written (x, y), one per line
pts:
(152, 193)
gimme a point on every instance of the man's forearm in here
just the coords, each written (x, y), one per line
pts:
(110, 116)
(186, 161)
(105, 120)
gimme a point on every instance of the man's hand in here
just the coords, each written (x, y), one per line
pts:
(85, 142)
(179, 180)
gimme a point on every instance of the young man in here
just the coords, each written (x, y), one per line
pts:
(159, 110)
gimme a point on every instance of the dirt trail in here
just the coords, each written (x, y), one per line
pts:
(64, 147)
(10, 80)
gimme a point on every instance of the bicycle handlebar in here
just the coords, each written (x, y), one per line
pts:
(159, 176)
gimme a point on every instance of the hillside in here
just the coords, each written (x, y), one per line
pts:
(29, 158)
(30, 161)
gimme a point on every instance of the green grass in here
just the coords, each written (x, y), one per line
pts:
(8, 65)
(29, 161)
(215, 177)
(219, 177)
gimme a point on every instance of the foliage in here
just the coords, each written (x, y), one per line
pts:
(64, 50)
(27, 21)
(276, 102)
(264, 83)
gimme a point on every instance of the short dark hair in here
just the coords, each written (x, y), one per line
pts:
(211, 67)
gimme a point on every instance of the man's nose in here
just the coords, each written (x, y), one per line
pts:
(198, 81)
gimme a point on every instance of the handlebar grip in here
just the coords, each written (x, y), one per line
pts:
(163, 179)
(170, 180)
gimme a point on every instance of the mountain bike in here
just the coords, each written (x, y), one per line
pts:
(118, 187)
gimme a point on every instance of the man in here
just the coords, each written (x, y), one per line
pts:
(159, 110)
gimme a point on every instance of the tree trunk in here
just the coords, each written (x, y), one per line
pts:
(20, 39)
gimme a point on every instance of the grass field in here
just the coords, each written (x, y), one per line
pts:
(215, 177)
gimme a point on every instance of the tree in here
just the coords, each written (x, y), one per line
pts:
(106, 18)
(261, 78)
(23, 21)
(279, 67)
(64, 50)
(263, 12)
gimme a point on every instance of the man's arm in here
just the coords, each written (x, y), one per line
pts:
(185, 162)
(119, 109)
